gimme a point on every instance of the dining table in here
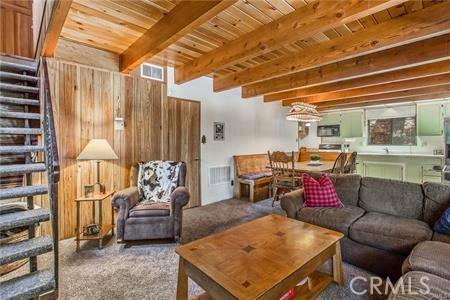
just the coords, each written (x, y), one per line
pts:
(324, 166)
(307, 167)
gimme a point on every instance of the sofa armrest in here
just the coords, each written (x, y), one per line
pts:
(292, 202)
(178, 199)
(124, 200)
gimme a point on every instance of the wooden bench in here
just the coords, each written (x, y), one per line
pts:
(252, 178)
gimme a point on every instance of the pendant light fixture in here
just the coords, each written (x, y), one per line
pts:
(303, 112)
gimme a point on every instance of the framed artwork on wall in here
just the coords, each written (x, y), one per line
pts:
(219, 131)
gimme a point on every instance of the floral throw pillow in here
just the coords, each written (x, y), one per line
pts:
(157, 180)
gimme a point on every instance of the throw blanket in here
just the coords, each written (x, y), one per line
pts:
(157, 180)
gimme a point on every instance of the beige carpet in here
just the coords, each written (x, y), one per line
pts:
(149, 271)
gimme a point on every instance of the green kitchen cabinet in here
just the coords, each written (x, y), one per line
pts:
(447, 109)
(384, 170)
(330, 119)
(429, 119)
(352, 124)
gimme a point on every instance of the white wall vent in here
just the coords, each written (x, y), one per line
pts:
(152, 72)
(219, 175)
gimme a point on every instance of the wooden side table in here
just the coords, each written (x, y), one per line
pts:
(104, 229)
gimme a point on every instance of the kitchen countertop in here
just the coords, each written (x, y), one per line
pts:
(402, 154)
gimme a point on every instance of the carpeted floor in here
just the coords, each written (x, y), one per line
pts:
(149, 271)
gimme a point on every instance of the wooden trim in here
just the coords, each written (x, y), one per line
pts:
(419, 72)
(422, 24)
(59, 15)
(406, 56)
(314, 18)
(417, 83)
(182, 19)
(386, 96)
(387, 101)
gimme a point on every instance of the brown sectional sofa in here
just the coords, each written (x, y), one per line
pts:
(426, 273)
(382, 219)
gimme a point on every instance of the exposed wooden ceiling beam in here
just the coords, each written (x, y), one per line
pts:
(388, 101)
(406, 56)
(422, 24)
(419, 72)
(412, 84)
(182, 19)
(60, 11)
(314, 18)
(367, 99)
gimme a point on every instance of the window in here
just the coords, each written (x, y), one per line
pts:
(396, 131)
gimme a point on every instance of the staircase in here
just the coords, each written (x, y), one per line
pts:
(27, 147)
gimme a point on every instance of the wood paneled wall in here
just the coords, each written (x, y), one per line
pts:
(86, 101)
(16, 27)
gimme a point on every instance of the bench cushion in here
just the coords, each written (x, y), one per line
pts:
(252, 176)
(431, 257)
(391, 233)
(338, 219)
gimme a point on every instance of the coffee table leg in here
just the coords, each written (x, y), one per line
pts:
(338, 273)
(182, 287)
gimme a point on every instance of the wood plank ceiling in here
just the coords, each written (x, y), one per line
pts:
(330, 53)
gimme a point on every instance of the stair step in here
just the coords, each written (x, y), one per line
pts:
(20, 149)
(24, 218)
(16, 66)
(23, 191)
(24, 249)
(20, 115)
(19, 130)
(9, 75)
(21, 168)
(18, 101)
(28, 286)
(18, 88)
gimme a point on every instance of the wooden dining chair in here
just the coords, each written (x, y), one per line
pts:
(338, 167)
(350, 165)
(283, 172)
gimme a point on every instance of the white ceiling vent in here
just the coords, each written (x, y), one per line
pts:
(152, 72)
(219, 175)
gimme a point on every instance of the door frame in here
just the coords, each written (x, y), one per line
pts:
(168, 98)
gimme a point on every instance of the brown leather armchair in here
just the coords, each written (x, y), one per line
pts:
(138, 221)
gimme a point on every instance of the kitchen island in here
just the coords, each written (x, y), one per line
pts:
(405, 166)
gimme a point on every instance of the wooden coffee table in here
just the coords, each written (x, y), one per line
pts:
(262, 259)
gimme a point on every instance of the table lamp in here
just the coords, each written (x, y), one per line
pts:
(97, 149)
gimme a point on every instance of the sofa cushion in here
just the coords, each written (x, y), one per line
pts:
(144, 209)
(398, 198)
(431, 257)
(389, 232)
(347, 187)
(437, 199)
(338, 219)
(441, 237)
(420, 285)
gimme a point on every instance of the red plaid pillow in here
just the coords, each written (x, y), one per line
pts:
(320, 194)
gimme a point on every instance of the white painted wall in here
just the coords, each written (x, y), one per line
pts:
(251, 126)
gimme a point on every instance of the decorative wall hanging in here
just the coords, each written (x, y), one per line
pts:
(219, 131)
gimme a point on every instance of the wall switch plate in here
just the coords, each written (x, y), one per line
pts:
(119, 124)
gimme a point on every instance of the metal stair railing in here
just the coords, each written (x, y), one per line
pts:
(52, 163)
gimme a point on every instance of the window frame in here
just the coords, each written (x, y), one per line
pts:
(392, 132)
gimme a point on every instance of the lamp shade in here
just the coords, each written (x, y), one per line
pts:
(97, 149)
(303, 112)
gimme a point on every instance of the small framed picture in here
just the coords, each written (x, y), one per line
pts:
(219, 131)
